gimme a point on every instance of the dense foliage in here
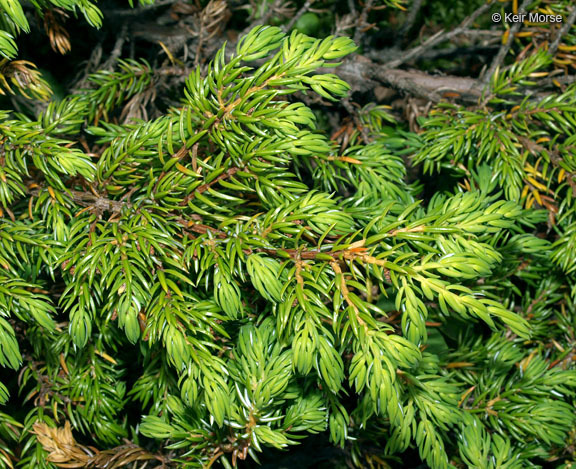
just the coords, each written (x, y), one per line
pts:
(206, 260)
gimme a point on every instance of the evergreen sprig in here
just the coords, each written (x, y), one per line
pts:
(242, 281)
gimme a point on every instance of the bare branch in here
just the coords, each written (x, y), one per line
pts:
(563, 31)
(362, 20)
(431, 87)
(117, 50)
(505, 48)
(410, 20)
(352, 7)
(364, 75)
(437, 38)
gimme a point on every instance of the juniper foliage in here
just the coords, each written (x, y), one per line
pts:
(225, 279)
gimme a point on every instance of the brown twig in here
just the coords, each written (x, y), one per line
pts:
(363, 76)
(116, 51)
(200, 228)
(437, 38)
(410, 20)
(204, 187)
(87, 199)
(505, 48)
(352, 7)
(211, 19)
(362, 20)
(562, 32)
